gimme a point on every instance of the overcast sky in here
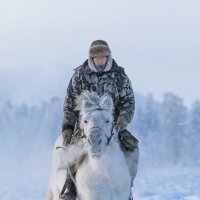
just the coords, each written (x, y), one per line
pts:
(157, 42)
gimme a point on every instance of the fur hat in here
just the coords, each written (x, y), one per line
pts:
(99, 48)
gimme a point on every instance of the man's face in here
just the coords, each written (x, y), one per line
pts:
(100, 61)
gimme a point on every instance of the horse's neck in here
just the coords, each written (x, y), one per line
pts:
(111, 157)
(105, 177)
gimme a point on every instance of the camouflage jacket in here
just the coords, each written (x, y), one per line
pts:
(113, 81)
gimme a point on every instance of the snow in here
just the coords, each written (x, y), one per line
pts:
(168, 183)
(28, 133)
(24, 176)
(27, 178)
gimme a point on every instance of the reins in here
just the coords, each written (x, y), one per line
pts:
(112, 134)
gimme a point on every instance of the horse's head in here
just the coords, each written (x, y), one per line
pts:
(96, 120)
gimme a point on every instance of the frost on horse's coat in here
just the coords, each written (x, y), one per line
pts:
(108, 177)
(104, 173)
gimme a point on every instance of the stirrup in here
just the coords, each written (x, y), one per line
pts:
(70, 194)
(67, 197)
(70, 185)
(131, 198)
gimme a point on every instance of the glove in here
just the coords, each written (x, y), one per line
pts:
(67, 136)
(121, 123)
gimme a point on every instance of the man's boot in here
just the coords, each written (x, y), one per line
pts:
(69, 186)
(129, 145)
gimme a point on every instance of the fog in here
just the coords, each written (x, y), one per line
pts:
(156, 41)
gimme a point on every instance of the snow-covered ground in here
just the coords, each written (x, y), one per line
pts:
(168, 183)
(25, 177)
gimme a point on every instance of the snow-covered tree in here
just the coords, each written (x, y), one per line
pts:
(23, 127)
(194, 130)
(139, 122)
(151, 116)
(174, 121)
(152, 125)
(53, 119)
(147, 124)
(7, 119)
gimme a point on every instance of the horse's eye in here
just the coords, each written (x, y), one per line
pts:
(107, 121)
(85, 121)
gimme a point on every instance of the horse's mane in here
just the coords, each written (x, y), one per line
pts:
(89, 101)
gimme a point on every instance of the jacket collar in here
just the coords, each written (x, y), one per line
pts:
(107, 67)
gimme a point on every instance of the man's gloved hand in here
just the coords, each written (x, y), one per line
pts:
(67, 136)
(121, 123)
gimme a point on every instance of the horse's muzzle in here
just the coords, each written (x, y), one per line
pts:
(95, 141)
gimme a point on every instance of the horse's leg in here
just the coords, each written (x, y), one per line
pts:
(49, 194)
(59, 169)
(132, 158)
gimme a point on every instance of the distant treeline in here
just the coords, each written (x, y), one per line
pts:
(168, 132)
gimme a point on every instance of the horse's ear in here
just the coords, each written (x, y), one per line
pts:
(106, 102)
(87, 105)
(84, 102)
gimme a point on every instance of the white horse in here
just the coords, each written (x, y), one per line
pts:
(104, 173)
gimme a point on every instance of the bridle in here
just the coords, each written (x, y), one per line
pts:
(83, 136)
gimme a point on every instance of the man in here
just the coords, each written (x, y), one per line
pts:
(101, 74)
